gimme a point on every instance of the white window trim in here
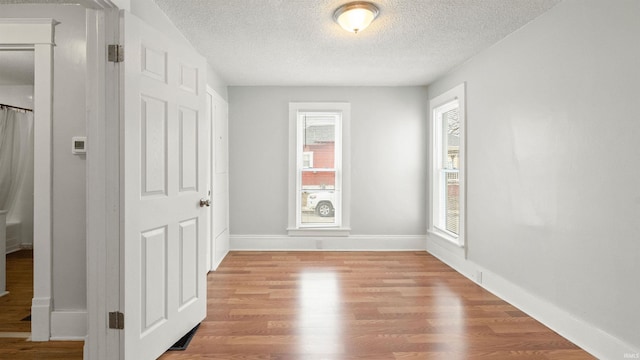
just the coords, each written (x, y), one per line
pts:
(457, 94)
(343, 228)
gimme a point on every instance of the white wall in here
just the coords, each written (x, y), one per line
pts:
(553, 198)
(69, 255)
(17, 95)
(217, 83)
(388, 157)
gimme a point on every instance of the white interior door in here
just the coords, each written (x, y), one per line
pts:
(220, 178)
(164, 157)
(211, 245)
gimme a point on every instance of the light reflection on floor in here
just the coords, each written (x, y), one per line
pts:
(449, 307)
(319, 313)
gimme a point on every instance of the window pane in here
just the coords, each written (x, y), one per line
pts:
(318, 180)
(452, 202)
(319, 142)
(318, 197)
(318, 206)
(452, 140)
(318, 170)
(450, 135)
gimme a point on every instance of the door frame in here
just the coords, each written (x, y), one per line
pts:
(38, 35)
(103, 181)
(210, 175)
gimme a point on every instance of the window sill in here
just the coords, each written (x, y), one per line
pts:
(344, 232)
(442, 236)
(443, 246)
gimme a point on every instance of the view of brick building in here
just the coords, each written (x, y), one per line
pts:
(319, 153)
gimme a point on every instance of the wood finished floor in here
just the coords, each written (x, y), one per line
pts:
(360, 305)
(15, 306)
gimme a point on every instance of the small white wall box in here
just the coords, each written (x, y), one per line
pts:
(79, 145)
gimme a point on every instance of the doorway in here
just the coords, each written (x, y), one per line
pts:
(16, 188)
(36, 35)
(218, 179)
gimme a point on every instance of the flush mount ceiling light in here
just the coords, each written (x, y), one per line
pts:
(356, 16)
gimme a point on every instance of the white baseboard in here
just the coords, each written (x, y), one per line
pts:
(41, 319)
(85, 348)
(595, 341)
(13, 236)
(69, 325)
(12, 246)
(214, 267)
(17, 247)
(309, 243)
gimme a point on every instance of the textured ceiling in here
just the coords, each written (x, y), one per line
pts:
(39, 1)
(16, 67)
(296, 42)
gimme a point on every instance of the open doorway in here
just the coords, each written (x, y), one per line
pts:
(17, 188)
(37, 35)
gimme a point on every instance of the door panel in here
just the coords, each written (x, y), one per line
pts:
(188, 262)
(154, 62)
(188, 149)
(164, 157)
(220, 204)
(154, 278)
(189, 78)
(222, 138)
(154, 146)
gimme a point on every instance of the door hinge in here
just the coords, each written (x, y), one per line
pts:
(116, 320)
(115, 53)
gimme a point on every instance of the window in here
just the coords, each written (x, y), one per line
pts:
(318, 174)
(317, 162)
(447, 165)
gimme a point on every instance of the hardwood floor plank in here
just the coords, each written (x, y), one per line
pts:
(14, 331)
(21, 349)
(360, 305)
(15, 306)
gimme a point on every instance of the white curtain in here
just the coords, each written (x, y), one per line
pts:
(16, 156)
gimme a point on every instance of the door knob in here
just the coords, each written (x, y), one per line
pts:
(205, 202)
